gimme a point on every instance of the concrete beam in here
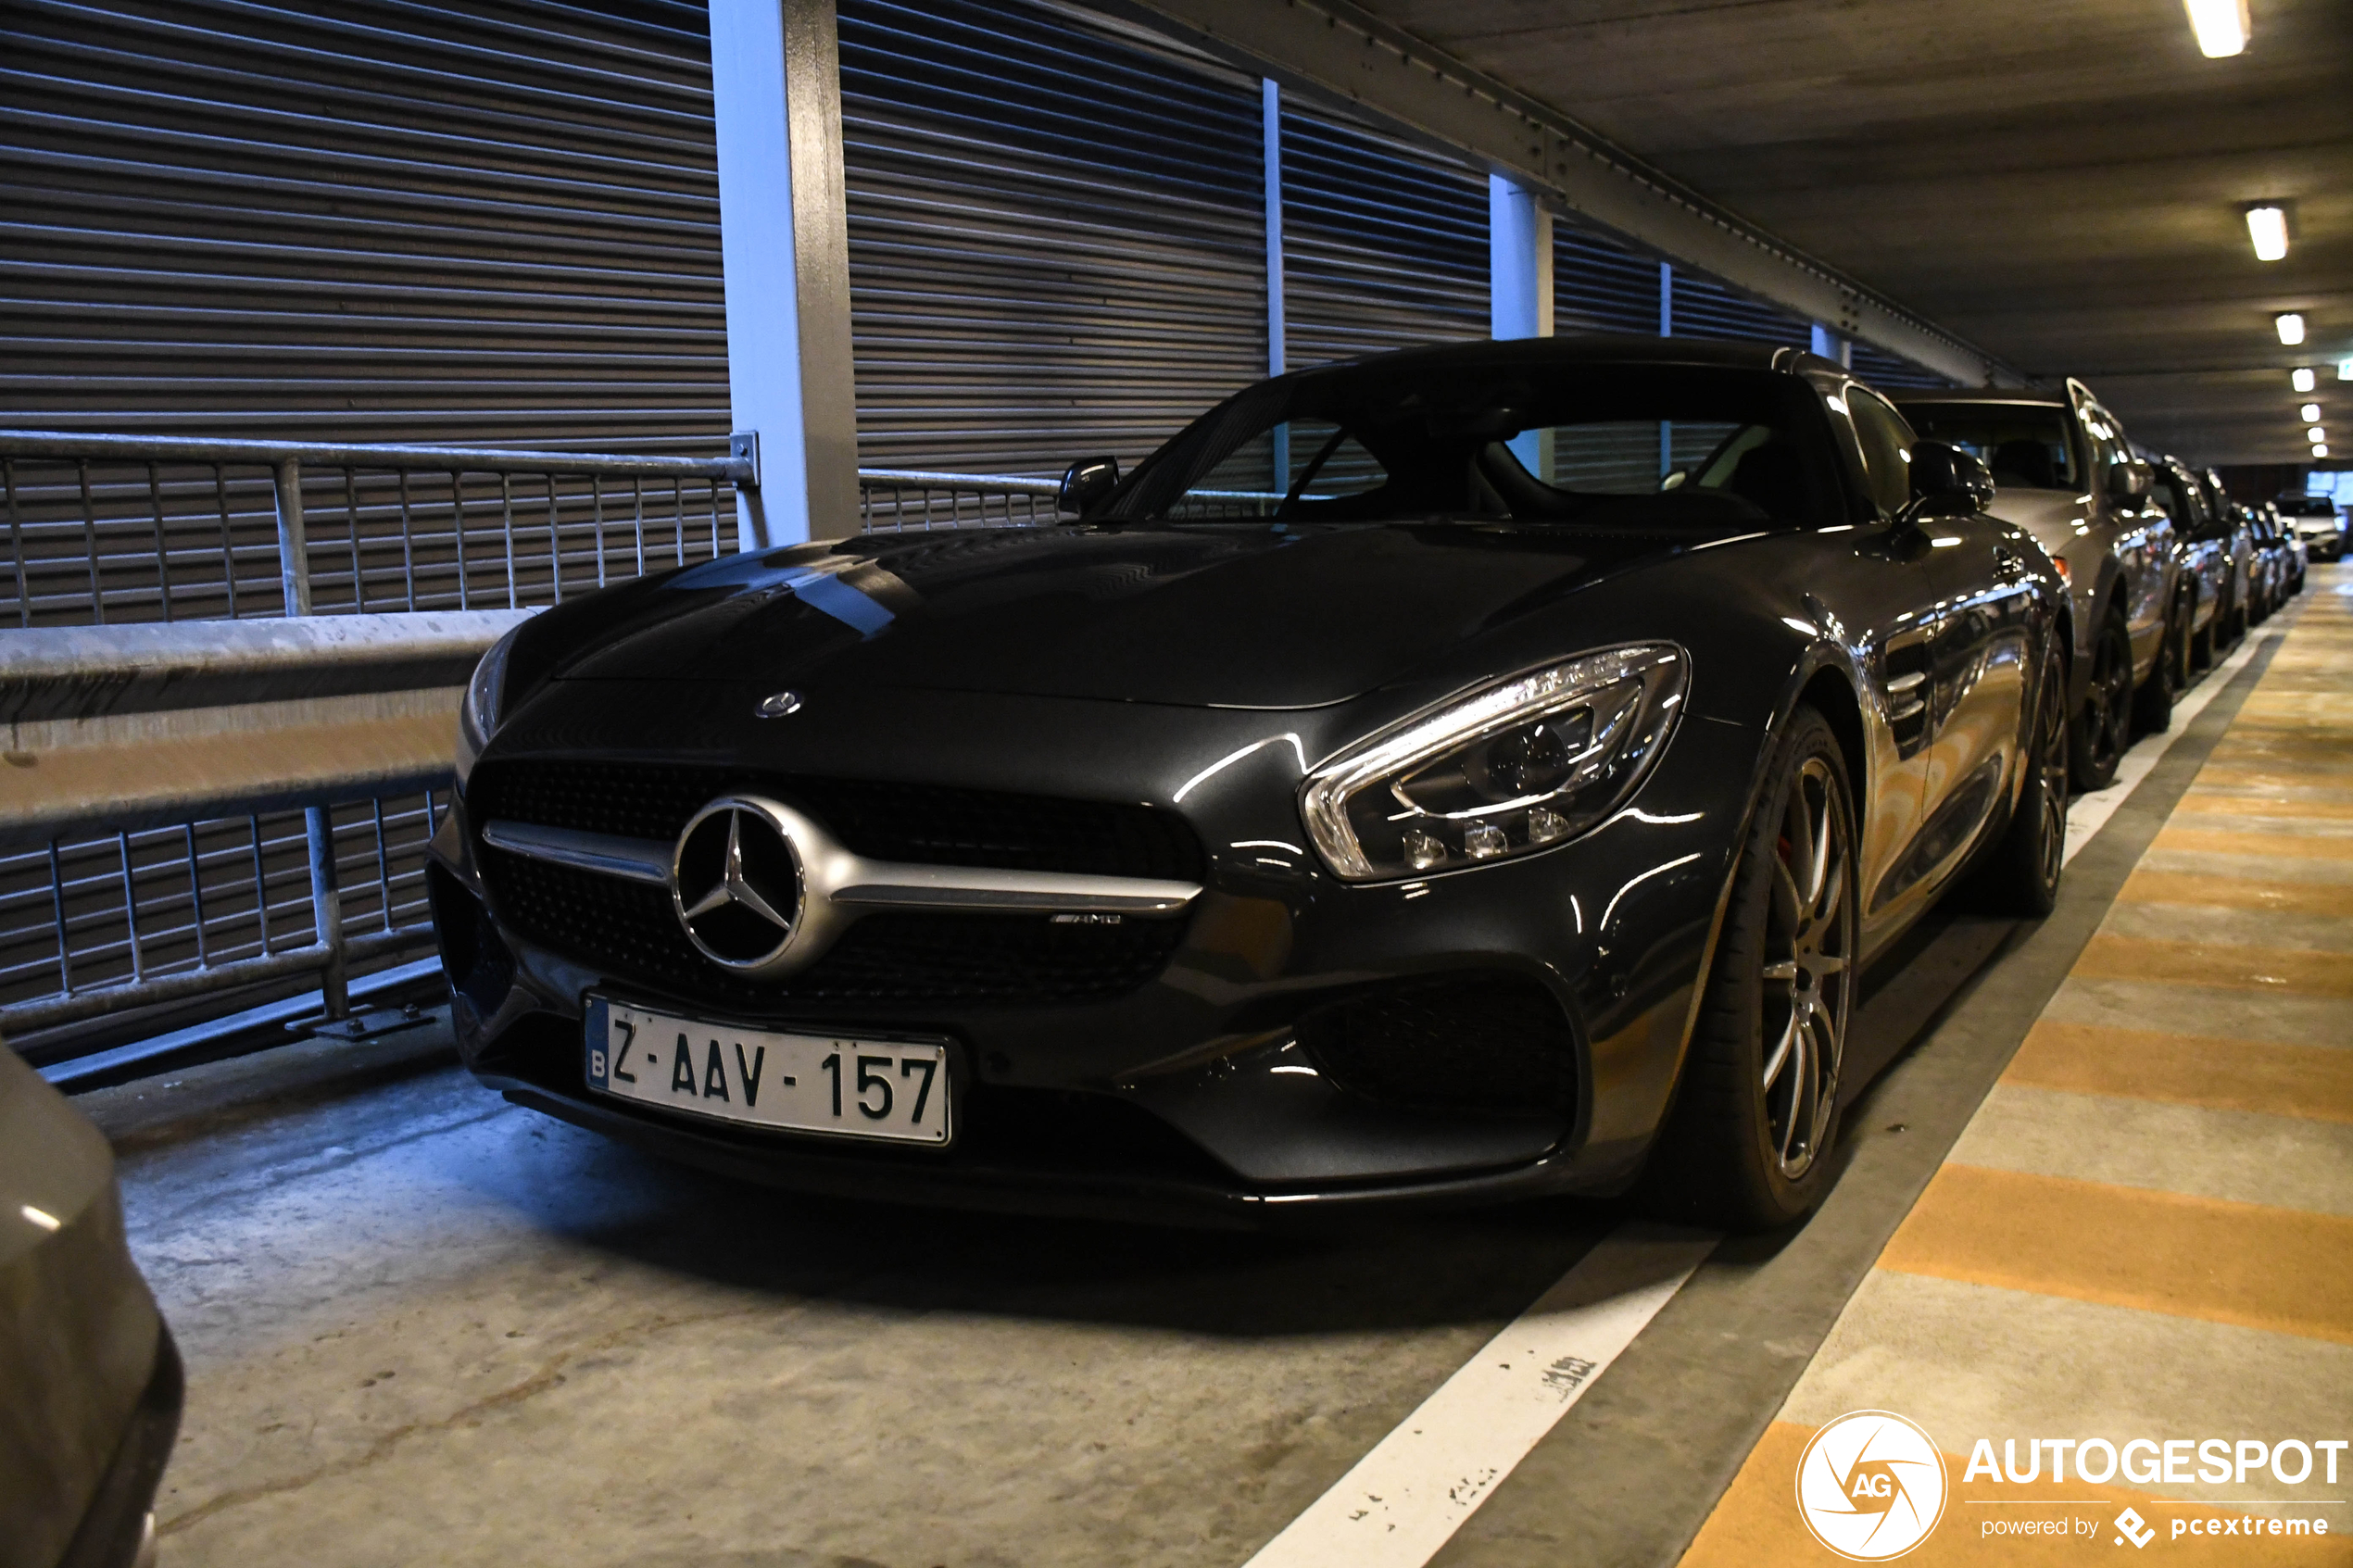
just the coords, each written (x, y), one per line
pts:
(785, 246)
(1332, 50)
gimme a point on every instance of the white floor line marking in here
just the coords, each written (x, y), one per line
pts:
(2089, 812)
(1407, 1497)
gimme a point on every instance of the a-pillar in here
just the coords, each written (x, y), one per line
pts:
(776, 76)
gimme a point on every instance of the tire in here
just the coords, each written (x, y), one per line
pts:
(1748, 1148)
(2105, 727)
(2021, 874)
(2203, 651)
(2153, 703)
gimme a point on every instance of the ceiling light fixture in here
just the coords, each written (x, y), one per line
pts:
(2267, 226)
(2316, 435)
(2221, 26)
(2310, 413)
(2291, 328)
(2320, 449)
(2303, 378)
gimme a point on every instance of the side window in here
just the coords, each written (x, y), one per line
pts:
(1887, 449)
(2107, 439)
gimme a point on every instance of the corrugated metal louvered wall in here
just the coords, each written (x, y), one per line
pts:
(1057, 240)
(488, 222)
(496, 222)
(1384, 244)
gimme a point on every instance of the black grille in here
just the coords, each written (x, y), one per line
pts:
(931, 825)
(629, 931)
(1485, 1042)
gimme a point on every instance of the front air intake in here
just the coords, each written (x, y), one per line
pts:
(1484, 1041)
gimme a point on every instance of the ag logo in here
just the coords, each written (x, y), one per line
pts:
(1870, 1486)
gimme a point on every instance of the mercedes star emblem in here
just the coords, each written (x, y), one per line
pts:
(779, 705)
(735, 882)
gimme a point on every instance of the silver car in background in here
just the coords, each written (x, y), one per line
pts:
(2064, 471)
(2317, 523)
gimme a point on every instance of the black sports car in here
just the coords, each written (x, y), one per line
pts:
(1465, 772)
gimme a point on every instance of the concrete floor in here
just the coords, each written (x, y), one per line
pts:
(423, 1325)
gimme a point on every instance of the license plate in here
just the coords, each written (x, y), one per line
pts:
(866, 1088)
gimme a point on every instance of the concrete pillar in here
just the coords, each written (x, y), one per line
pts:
(1270, 114)
(783, 230)
(1519, 287)
(1829, 346)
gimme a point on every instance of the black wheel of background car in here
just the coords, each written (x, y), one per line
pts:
(2105, 726)
(2206, 645)
(1748, 1147)
(2020, 874)
(2153, 703)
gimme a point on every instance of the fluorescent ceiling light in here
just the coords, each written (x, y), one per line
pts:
(2320, 449)
(2303, 378)
(2221, 26)
(2310, 413)
(2267, 226)
(2291, 328)
(2316, 435)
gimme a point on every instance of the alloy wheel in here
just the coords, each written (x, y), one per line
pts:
(1809, 949)
(2109, 704)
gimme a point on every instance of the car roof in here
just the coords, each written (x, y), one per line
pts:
(2023, 396)
(1584, 348)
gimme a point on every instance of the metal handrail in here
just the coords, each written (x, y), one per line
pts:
(71, 445)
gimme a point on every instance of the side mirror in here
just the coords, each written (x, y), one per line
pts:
(1085, 483)
(1946, 479)
(2128, 482)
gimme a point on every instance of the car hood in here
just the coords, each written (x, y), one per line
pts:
(2052, 517)
(1230, 617)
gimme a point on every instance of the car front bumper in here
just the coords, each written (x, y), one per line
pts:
(1185, 1098)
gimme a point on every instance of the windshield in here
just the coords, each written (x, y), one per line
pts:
(1643, 446)
(2024, 444)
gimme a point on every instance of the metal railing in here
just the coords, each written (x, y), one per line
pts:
(914, 500)
(133, 915)
(109, 528)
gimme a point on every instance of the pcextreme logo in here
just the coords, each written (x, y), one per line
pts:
(1870, 1486)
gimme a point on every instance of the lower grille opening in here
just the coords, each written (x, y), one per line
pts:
(478, 964)
(1484, 1041)
(630, 932)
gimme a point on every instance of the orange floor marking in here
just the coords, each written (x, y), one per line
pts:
(2277, 1269)
(2280, 971)
(2311, 1082)
(2238, 893)
(2288, 842)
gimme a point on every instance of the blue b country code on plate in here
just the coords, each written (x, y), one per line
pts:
(896, 1089)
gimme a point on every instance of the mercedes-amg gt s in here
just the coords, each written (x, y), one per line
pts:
(1470, 771)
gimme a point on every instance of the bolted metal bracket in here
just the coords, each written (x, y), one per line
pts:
(744, 448)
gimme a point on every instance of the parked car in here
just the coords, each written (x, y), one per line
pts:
(1368, 801)
(2317, 523)
(90, 1383)
(2299, 557)
(2064, 472)
(2241, 547)
(2272, 562)
(2206, 572)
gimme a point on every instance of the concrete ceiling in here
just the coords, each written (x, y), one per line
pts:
(2059, 181)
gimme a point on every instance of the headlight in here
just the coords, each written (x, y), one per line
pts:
(1518, 766)
(478, 714)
